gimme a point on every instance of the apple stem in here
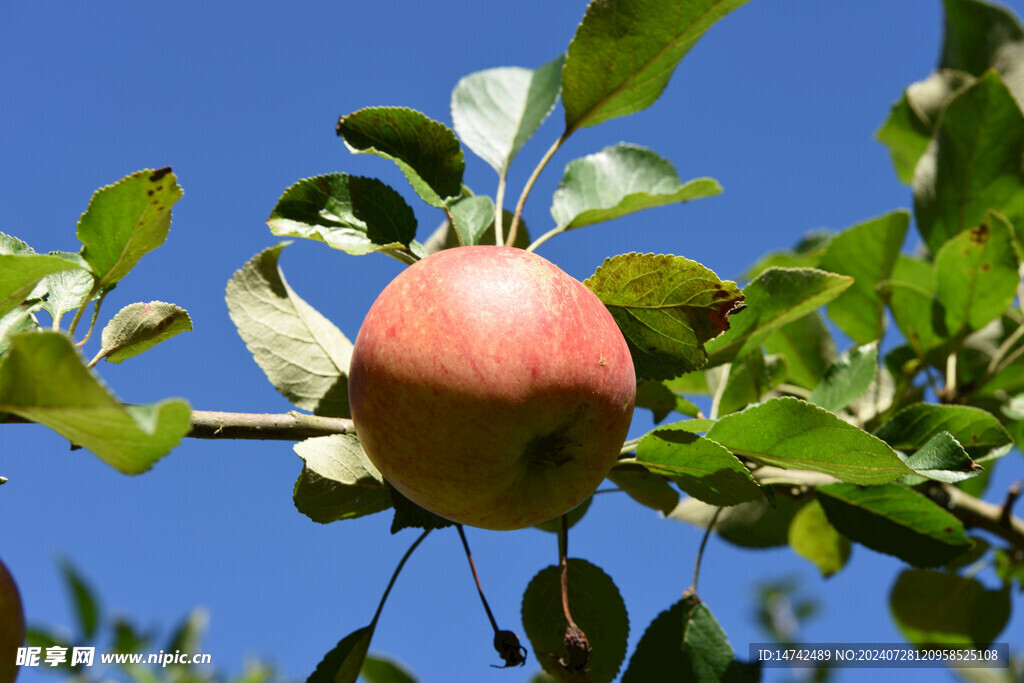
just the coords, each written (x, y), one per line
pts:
(505, 642)
(700, 551)
(394, 577)
(575, 642)
(476, 577)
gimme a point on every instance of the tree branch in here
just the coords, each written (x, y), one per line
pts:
(293, 426)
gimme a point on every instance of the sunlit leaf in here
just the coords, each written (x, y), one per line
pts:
(847, 378)
(356, 215)
(866, 252)
(302, 353)
(496, 111)
(976, 275)
(620, 180)
(777, 297)
(701, 467)
(338, 481)
(624, 53)
(975, 166)
(20, 273)
(426, 151)
(790, 433)
(812, 536)
(43, 379)
(139, 327)
(127, 220)
(667, 308)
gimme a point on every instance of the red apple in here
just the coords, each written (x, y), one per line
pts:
(12, 625)
(490, 387)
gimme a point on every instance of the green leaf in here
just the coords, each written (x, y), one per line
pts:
(338, 481)
(188, 636)
(597, 608)
(979, 36)
(704, 642)
(942, 458)
(302, 353)
(354, 214)
(496, 111)
(976, 166)
(14, 245)
(383, 670)
(908, 130)
(793, 434)
(650, 490)
(895, 520)
(757, 524)
(910, 297)
(698, 465)
(976, 275)
(426, 151)
(620, 180)
(977, 430)
(87, 611)
(473, 215)
(776, 298)
(20, 273)
(445, 238)
(409, 515)
(624, 53)
(18, 320)
(906, 136)
(139, 327)
(933, 608)
(805, 254)
(867, 253)
(750, 378)
(661, 401)
(660, 649)
(812, 536)
(847, 378)
(43, 379)
(344, 662)
(127, 220)
(68, 290)
(807, 346)
(667, 308)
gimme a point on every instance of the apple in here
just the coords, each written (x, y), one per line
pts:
(490, 387)
(12, 626)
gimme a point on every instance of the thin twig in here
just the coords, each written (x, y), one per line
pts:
(394, 577)
(511, 239)
(81, 309)
(700, 551)
(476, 577)
(557, 230)
(499, 207)
(1012, 494)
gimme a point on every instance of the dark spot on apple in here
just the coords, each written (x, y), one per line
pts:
(948, 530)
(985, 266)
(548, 449)
(159, 173)
(979, 235)
(149, 192)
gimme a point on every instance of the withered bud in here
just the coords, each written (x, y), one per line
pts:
(509, 648)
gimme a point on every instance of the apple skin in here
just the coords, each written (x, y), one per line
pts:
(12, 625)
(490, 387)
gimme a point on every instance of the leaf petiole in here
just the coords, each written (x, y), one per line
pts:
(511, 239)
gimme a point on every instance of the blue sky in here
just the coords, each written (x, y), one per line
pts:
(779, 102)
